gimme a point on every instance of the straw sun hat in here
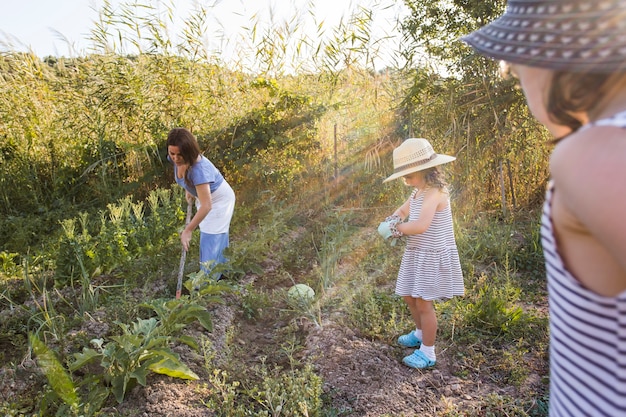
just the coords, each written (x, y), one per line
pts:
(415, 155)
(568, 35)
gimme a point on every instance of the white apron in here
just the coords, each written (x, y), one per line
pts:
(223, 204)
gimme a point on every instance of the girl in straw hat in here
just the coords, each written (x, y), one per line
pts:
(570, 58)
(430, 268)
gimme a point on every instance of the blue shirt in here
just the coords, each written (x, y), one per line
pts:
(202, 172)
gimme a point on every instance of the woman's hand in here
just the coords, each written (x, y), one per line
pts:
(190, 197)
(185, 238)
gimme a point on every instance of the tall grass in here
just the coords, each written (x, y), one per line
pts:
(83, 142)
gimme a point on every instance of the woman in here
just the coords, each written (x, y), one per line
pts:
(570, 58)
(213, 196)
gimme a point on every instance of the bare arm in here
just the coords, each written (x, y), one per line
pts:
(403, 210)
(434, 199)
(204, 195)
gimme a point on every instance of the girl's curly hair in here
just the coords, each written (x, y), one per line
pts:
(434, 178)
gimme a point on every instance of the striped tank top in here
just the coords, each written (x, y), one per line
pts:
(587, 333)
(430, 267)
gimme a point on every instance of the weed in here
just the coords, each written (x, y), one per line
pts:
(332, 247)
(254, 303)
(297, 392)
(379, 315)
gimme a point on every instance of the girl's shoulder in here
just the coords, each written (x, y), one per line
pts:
(440, 193)
(434, 197)
(590, 147)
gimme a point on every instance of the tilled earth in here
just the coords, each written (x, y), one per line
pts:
(362, 378)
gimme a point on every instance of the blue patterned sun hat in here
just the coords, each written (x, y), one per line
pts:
(574, 35)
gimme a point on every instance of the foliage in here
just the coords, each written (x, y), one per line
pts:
(124, 233)
(473, 112)
(8, 266)
(254, 303)
(271, 144)
(207, 286)
(127, 359)
(378, 315)
(494, 310)
(437, 26)
(85, 197)
(331, 247)
(263, 226)
(495, 405)
(175, 315)
(297, 392)
(56, 374)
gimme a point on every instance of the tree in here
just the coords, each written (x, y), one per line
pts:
(459, 100)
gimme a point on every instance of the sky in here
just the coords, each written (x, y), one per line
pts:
(62, 27)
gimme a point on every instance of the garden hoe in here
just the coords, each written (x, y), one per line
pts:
(183, 256)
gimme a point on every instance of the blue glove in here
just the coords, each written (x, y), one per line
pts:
(384, 230)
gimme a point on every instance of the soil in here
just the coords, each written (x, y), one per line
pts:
(361, 377)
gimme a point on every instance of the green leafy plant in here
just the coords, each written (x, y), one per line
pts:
(175, 315)
(57, 376)
(123, 234)
(493, 310)
(127, 359)
(295, 392)
(379, 314)
(8, 266)
(206, 286)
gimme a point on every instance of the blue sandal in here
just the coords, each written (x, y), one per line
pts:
(418, 360)
(410, 340)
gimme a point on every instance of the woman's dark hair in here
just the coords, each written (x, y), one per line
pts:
(577, 92)
(187, 145)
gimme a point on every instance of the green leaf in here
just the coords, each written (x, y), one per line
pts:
(174, 368)
(58, 378)
(204, 317)
(189, 341)
(140, 375)
(144, 326)
(118, 386)
(96, 398)
(83, 358)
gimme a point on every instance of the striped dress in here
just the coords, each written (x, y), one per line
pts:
(430, 267)
(587, 335)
